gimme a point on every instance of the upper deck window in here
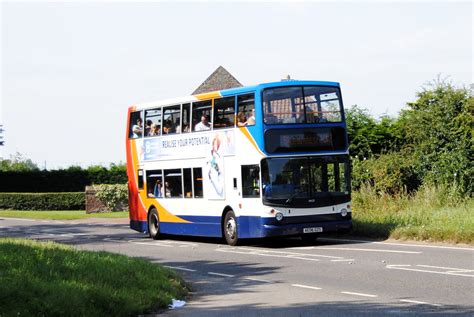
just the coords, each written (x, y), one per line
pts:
(224, 112)
(202, 115)
(245, 110)
(136, 125)
(153, 122)
(302, 104)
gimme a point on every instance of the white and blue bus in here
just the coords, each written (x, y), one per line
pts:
(250, 162)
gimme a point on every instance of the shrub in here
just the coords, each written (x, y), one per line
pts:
(42, 201)
(115, 196)
(392, 173)
(74, 179)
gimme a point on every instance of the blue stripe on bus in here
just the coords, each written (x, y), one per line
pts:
(248, 227)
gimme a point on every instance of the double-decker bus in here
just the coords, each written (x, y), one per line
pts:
(250, 162)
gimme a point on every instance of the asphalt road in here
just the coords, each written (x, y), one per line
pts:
(330, 277)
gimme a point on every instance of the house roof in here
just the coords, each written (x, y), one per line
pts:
(220, 79)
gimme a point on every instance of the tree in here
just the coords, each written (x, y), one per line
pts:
(367, 136)
(438, 129)
(17, 163)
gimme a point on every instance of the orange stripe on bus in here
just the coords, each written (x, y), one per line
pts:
(208, 95)
(250, 138)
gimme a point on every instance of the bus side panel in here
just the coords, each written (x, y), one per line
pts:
(191, 229)
(250, 227)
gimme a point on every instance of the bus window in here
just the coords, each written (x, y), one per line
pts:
(202, 115)
(172, 119)
(224, 112)
(283, 105)
(323, 102)
(136, 125)
(140, 179)
(250, 181)
(197, 182)
(246, 105)
(153, 122)
(188, 183)
(154, 184)
(186, 118)
(173, 183)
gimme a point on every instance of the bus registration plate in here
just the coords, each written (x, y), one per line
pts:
(313, 230)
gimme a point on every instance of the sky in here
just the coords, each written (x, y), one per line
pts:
(71, 69)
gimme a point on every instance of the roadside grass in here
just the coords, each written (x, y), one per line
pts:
(50, 279)
(429, 214)
(60, 214)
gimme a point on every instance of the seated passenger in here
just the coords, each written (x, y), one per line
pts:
(137, 129)
(241, 119)
(251, 119)
(203, 125)
(158, 190)
(154, 130)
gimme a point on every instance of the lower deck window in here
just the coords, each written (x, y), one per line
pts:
(174, 183)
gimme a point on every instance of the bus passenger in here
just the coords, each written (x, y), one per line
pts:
(203, 125)
(177, 126)
(241, 119)
(158, 190)
(251, 119)
(154, 130)
(137, 129)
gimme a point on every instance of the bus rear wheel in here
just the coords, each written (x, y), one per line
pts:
(153, 224)
(230, 229)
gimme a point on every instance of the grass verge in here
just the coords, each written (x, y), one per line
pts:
(50, 279)
(430, 214)
(60, 214)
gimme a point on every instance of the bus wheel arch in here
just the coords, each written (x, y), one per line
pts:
(229, 226)
(153, 222)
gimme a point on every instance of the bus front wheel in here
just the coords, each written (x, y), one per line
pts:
(230, 228)
(153, 224)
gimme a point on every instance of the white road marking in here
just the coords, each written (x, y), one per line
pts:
(179, 268)
(220, 274)
(399, 244)
(370, 250)
(279, 254)
(150, 243)
(306, 286)
(451, 269)
(418, 302)
(359, 294)
(408, 267)
(257, 279)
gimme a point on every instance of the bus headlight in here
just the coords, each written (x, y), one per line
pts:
(279, 216)
(343, 212)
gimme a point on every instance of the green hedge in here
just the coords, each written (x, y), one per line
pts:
(55, 181)
(42, 201)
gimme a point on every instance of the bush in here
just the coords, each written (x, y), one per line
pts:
(42, 201)
(393, 173)
(74, 179)
(115, 197)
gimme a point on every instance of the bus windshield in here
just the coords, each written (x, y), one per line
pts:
(302, 104)
(305, 181)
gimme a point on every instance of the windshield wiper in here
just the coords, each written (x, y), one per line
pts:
(290, 199)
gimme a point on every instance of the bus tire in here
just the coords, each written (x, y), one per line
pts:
(230, 228)
(153, 224)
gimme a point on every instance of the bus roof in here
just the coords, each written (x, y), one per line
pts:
(233, 91)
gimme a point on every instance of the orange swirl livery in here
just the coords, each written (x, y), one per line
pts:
(249, 162)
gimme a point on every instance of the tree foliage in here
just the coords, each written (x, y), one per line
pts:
(431, 142)
(17, 163)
